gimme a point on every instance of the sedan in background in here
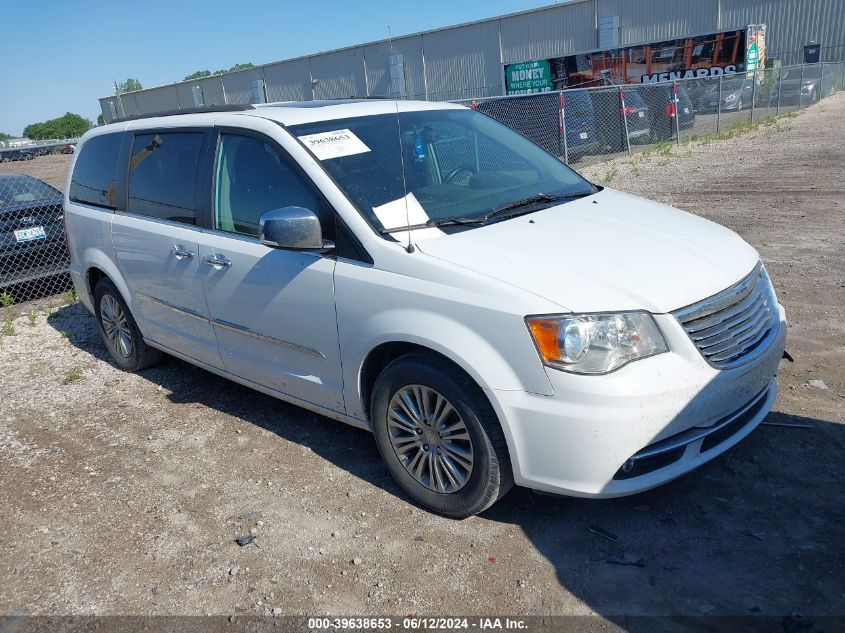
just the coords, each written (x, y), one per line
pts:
(32, 240)
(736, 92)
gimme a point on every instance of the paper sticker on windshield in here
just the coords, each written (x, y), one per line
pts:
(400, 213)
(336, 144)
(404, 212)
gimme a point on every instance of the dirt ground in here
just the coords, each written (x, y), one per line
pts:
(123, 494)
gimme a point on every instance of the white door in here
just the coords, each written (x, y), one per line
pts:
(272, 310)
(156, 244)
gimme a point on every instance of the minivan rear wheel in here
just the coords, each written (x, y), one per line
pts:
(119, 331)
(439, 436)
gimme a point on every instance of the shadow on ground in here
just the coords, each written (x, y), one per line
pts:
(757, 531)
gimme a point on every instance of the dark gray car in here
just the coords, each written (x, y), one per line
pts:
(32, 240)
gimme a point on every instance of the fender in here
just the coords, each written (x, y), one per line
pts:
(464, 346)
(95, 258)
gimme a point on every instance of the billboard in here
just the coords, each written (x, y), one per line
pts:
(755, 47)
(711, 55)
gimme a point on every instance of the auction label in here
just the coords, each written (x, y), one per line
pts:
(335, 144)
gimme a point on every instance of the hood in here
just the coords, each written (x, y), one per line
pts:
(606, 252)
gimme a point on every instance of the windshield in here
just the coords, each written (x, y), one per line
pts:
(17, 189)
(456, 163)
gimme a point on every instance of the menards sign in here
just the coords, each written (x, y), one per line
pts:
(675, 75)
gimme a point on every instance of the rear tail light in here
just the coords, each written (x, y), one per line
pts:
(627, 110)
(670, 110)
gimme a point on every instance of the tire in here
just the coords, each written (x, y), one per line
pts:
(120, 332)
(452, 490)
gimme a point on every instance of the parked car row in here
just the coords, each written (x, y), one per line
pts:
(740, 92)
(596, 121)
(12, 155)
(28, 153)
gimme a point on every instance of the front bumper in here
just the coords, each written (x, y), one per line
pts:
(581, 440)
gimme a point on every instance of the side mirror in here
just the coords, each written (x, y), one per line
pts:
(292, 228)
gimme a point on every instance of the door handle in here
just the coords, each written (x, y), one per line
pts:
(180, 252)
(218, 261)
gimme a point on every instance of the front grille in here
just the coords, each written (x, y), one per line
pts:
(736, 325)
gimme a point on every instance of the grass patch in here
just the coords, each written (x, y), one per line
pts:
(71, 376)
(70, 296)
(6, 299)
(8, 328)
(30, 318)
(610, 174)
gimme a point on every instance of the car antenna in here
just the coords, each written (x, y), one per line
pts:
(410, 247)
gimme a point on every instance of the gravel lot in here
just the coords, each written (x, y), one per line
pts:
(123, 494)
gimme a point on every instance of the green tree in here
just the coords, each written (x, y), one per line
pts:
(68, 125)
(101, 120)
(5, 137)
(130, 85)
(206, 73)
(198, 75)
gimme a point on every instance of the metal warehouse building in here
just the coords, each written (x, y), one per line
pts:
(470, 60)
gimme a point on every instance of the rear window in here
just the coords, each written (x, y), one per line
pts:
(94, 179)
(163, 175)
(22, 189)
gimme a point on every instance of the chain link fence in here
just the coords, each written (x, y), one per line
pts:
(33, 253)
(588, 125)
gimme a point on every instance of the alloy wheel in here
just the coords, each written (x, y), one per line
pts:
(116, 326)
(430, 438)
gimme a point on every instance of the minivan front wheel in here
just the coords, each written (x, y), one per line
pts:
(439, 436)
(119, 331)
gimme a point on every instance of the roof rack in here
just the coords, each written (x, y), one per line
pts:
(231, 107)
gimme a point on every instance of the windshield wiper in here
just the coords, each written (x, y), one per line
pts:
(502, 212)
(434, 222)
(519, 204)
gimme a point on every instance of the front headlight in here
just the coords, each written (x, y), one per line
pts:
(595, 343)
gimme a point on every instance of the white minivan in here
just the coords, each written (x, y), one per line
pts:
(422, 271)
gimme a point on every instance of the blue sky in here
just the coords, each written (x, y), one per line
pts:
(60, 56)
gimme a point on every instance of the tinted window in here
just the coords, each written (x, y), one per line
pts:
(251, 177)
(94, 175)
(163, 175)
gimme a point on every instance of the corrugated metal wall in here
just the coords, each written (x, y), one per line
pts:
(791, 23)
(288, 81)
(465, 61)
(378, 66)
(655, 20)
(552, 32)
(339, 75)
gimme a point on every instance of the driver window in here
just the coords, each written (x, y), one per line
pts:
(251, 178)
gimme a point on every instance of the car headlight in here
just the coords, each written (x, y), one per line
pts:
(595, 343)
